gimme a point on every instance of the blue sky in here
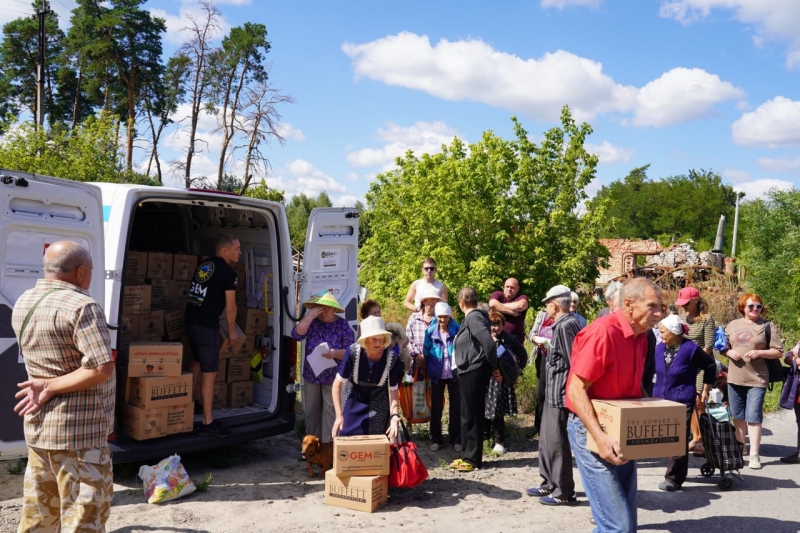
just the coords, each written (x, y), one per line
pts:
(677, 84)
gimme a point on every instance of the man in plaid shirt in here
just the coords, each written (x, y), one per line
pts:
(68, 400)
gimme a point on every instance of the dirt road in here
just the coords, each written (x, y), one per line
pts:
(268, 490)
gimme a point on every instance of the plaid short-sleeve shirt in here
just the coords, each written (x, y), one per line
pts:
(67, 331)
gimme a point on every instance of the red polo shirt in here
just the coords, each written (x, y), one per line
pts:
(611, 357)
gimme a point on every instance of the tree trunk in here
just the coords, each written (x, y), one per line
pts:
(131, 119)
(77, 103)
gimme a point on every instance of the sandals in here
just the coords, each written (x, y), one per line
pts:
(461, 465)
(699, 450)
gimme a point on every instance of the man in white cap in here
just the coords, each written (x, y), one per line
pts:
(555, 455)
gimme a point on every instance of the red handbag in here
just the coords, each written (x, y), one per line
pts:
(406, 469)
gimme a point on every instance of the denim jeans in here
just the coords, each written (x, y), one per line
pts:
(611, 490)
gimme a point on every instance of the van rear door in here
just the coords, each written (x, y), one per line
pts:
(36, 211)
(330, 258)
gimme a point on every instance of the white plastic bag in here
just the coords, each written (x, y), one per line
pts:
(166, 481)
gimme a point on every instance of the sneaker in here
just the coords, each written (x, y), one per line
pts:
(214, 428)
(499, 448)
(668, 486)
(538, 491)
(549, 500)
(434, 447)
(456, 447)
(755, 462)
(791, 459)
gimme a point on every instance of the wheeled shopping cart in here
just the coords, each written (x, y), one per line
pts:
(722, 450)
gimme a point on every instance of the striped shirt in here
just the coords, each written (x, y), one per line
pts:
(67, 331)
(565, 329)
(701, 331)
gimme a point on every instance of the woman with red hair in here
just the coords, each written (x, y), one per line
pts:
(750, 344)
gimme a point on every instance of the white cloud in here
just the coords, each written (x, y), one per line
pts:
(681, 95)
(735, 175)
(608, 153)
(760, 188)
(287, 131)
(775, 20)
(177, 25)
(786, 164)
(310, 180)
(421, 137)
(472, 70)
(773, 124)
(561, 4)
(347, 200)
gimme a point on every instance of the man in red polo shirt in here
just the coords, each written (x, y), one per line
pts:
(607, 363)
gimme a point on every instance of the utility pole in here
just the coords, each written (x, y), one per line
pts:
(41, 16)
(739, 196)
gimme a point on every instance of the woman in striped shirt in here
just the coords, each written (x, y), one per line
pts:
(701, 332)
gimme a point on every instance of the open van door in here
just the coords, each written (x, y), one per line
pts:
(36, 211)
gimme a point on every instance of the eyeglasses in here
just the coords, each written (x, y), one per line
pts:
(429, 269)
(757, 307)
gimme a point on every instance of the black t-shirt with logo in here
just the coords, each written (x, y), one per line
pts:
(206, 300)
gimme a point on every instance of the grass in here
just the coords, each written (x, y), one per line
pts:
(17, 468)
(202, 486)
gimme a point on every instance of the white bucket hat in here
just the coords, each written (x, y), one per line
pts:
(427, 293)
(374, 326)
(442, 309)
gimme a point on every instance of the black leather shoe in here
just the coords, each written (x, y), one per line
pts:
(791, 459)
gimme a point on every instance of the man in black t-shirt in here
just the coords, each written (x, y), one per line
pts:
(213, 291)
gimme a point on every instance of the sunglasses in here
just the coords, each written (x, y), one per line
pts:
(429, 269)
(757, 307)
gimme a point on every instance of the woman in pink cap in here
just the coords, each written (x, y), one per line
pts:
(701, 331)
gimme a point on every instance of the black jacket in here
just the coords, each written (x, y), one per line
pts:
(473, 345)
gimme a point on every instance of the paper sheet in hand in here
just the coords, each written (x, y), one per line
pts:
(319, 363)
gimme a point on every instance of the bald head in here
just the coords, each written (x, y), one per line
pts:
(510, 288)
(68, 261)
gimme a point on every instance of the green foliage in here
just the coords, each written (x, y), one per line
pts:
(770, 239)
(17, 468)
(674, 209)
(203, 486)
(262, 192)
(487, 211)
(297, 213)
(526, 390)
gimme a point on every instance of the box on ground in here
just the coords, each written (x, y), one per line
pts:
(180, 418)
(362, 455)
(183, 266)
(240, 394)
(646, 428)
(252, 321)
(359, 493)
(135, 265)
(143, 424)
(159, 265)
(136, 299)
(160, 391)
(154, 359)
(151, 324)
(238, 369)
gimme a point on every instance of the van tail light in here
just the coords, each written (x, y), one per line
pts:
(114, 356)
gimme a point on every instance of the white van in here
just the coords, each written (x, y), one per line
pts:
(112, 219)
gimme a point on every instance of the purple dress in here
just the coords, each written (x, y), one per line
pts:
(338, 334)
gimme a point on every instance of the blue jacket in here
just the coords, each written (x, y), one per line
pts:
(433, 349)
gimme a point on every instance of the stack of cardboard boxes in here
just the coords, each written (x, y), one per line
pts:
(359, 479)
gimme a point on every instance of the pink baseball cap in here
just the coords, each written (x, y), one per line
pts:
(686, 294)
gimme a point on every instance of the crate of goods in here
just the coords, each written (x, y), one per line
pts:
(182, 293)
(159, 265)
(173, 324)
(164, 292)
(160, 391)
(135, 265)
(183, 266)
(154, 359)
(238, 369)
(241, 272)
(645, 428)
(362, 455)
(220, 392)
(230, 348)
(180, 418)
(359, 493)
(151, 325)
(240, 394)
(252, 321)
(143, 424)
(129, 328)
(136, 299)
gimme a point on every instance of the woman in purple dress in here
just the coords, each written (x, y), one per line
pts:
(365, 393)
(321, 324)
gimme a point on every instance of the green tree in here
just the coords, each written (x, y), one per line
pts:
(297, 213)
(262, 192)
(770, 255)
(677, 208)
(494, 209)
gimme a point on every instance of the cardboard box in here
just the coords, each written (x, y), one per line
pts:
(359, 493)
(241, 348)
(646, 428)
(241, 297)
(135, 265)
(240, 394)
(180, 418)
(252, 321)
(163, 292)
(154, 359)
(159, 265)
(183, 266)
(136, 299)
(143, 424)
(160, 391)
(241, 272)
(129, 328)
(227, 347)
(182, 293)
(238, 369)
(151, 325)
(220, 391)
(363, 455)
(173, 324)
(223, 371)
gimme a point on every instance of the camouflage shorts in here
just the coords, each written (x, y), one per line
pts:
(67, 491)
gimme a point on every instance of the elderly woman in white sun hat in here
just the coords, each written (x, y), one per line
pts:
(365, 395)
(418, 324)
(438, 352)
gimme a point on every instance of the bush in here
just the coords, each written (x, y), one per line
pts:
(526, 390)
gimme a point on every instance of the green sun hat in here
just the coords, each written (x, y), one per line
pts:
(323, 298)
